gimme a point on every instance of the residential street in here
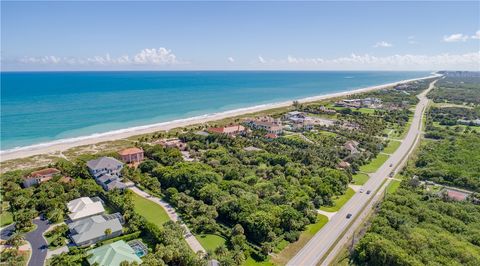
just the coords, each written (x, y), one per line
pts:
(189, 237)
(7, 231)
(323, 247)
(38, 243)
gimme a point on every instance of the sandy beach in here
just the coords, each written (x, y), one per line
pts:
(65, 144)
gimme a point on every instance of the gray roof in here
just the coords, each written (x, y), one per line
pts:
(115, 184)
(105, 178)
(92, 227)
(104, 163)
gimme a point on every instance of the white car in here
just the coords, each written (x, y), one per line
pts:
(361, 190)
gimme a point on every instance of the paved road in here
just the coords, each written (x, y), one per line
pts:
(319, 246)
(38, 243)
(189, 237)
(7, 231)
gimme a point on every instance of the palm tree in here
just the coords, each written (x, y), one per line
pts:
(108, 231)
(16, 240)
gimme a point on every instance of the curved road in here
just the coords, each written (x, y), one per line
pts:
(323, 246)
(38, 242)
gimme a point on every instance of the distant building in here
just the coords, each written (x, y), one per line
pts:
(113, 254)
(172, 143)
(84, 207)
(132, 155)
(269, 126)
(475, 122)
(351, 146)
(326, 110)
(90, 230)
(271, 136)
(39, 176)
(228, 130)
(343, 165)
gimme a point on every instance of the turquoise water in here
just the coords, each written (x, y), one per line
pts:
(38, 107)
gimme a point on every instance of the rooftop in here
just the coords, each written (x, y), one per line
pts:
(92, 227)
(43, 172)
(104, 163)
(84, 207)
(129, 151)
(113, 254)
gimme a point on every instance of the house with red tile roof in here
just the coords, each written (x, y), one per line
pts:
(132, 155)
(271, 136)
(40, 176)
(228, 130)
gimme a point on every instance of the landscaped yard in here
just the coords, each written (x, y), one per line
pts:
(210, 242)
(393, 186)
(374, 164)
(290, 250)
(6, 218)
(392, 146)
(360, 178)
(153, 212)
(339, 201)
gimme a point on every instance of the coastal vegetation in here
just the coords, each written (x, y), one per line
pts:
(419, 222)
(247, 197)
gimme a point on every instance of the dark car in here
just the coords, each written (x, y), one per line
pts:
(391, 174)
(349, 215)
(368, 191)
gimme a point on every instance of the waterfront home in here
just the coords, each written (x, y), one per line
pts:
(228, 130)
(104, 165)
(172, 143)
(271, 136)
(90, 230)
(132, 155)
(351, 146)
(113, 254)
(270, 127)
(84, 207)
(39, 176)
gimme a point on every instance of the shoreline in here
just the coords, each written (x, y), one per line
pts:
(65, 144)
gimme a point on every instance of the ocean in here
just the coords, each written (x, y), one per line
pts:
(41, 107)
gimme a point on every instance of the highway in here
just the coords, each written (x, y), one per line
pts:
(323, 247)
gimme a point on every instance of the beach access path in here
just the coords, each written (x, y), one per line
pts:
(62, 145)
(189, 237)
(332, 238)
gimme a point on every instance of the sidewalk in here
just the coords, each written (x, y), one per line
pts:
(189, 237)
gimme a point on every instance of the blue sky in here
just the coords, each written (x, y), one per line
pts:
(234, 35)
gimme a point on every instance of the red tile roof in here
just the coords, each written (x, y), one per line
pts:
(271, 136)
(129, 151)
(43, 172)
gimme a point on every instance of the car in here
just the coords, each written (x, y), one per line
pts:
(368, 191)
(391, 164)
(361, 190)
(391, 174)
(349, 215)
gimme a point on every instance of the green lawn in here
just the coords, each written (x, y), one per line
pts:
(339, 201)
(252, 262)
(6, 218)
(393, 186)
(291, 249)
(360, 178)
(153, 212)
(392, 146)
(210, 241)
(374, 164)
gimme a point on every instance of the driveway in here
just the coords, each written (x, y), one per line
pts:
(38, 242)
(7, 231)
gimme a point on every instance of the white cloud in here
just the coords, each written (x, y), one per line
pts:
(153, 57)
(231, 59)
(393, 62)
(476, 36)
(411, 39)
(382, 44)
(261, 59)
(457, 37)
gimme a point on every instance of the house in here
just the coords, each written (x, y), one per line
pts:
(132, 155)
(325, 110)
(39, 176)
(270, 127)
(343, 165)
(84, 207)
(90, 230)
(271, 136)
(104, 165)
(475, 122)
(351, 146)
(228, 130)
(106, 171)
(113, 254)
(172, 143)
